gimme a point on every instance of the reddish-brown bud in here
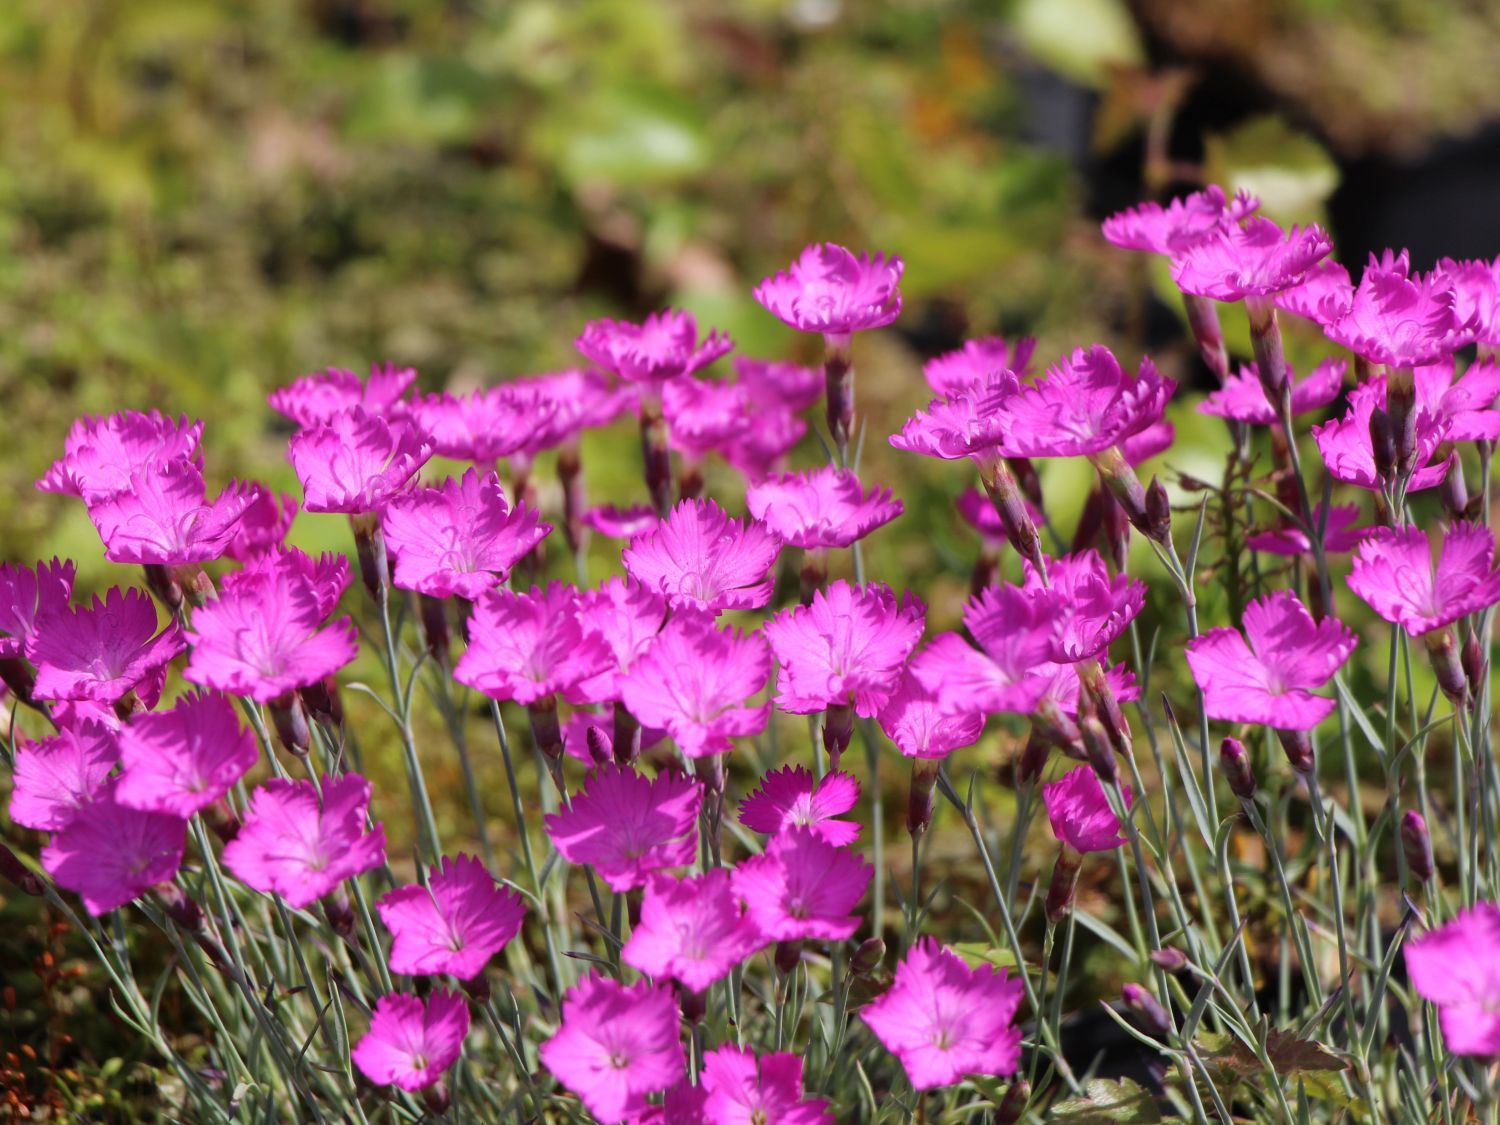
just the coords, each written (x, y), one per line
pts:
(1234, 760)
(1416, 846)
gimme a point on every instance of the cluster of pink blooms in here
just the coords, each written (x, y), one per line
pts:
(673, 647)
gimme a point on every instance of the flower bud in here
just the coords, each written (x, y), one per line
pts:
(1147, 1009)
(1299, 751)
(1265, 342)
(788, 956)
(598, 747)
(867, 958)
(1060, 890)
(177, 906)
(1013, 1105)
(1027, 479)
(17, 676)
(694, 1004)
(1476, 667)
(1416, 846)
(838, 731)
(221, 820)
(1033, 759)
(477, 988)
(1203, 322)
(437, 1099)
(838, 378)
(1010, 506)
(1098, 749)
(1454, 492)
(1172, 960)
(1400, 408)
(627, 735)
(710, 770)
(435, 634)
(338, 912)
(289, 717)
(575, 497)
(161, 582)
(1383, 444)
(814, 574)
(1442, 651)
(985, 574)
(323, 701)
(369, 548)
(1117, 475)
(545, 730)
(1234, 760)
(1158, 512)
(656, 455)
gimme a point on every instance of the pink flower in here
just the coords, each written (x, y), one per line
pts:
(1183, 222)
(704, 414)
(1154, 440)
(289, 845)
(923, 725)
(165, 518)
(454, 924)
(695, 681)
(621, 523)
(847, 647)
(746, 1089)
(264, 525)
(1270, 679)
(820, 508)
(1093, 608)
(27, 594)
(1323, 295)
(1349, 453)
(185, 759)
(410, 1044)
(691, 930)
(773, 383)
(699, 558)
(1400, 319)
(1395, 573)
(1338, 535)
(978, 511)
(356, 461)
(967, 423)
(616, 1045)
(526, 647)
(626, 826)
(489, 424)
(110, 854)
(584, 400)
(1063, 685)
(1454, 967)
(56, 777)
(459, 539)
(1244, 399)
(1016, 631)
(100, 453)
(802, 886)
(1465, 410)
(263, 635)
(829, 290)
(663, 346)
(1476, 296)
(1080, 814)
(952, 372)
(764, 446)
(316, 399)
(626, 616)
(1084, 404)
(1254, 260)
(790, 797)
(681, 1105)
(103, 652)
(944, 1020)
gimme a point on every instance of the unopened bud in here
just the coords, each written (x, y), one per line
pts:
(221, 820)
(1265, 342)
(656, 455)
(1033, 759)
(1416, 846)
(17, 676)
(289, 718)
(1097, 688)
(1203, 322)
(1148, 1010)
(694, 1004)
(1117, 475)
(1400, 407)
(1476, 667)
(627, 735)
(838, 731)
(924, 773)
(986, 571)
(177, 906)
(838, 379)
(1383, 445)
(369, 548)
(788, 956)
(545, 730)
(1027, 480)
(814, 574)
(575, 496)
(1010, 506)
(1060, 890)
(1299, 751)
(710, 771)
(323, 701)
(437, 1099)
(1454, 492)
(597, 743)
(1172, 960)
(1013, 1105)
(1158, 512)
(435, 633)
(1234, 760)
(867, 958)
(161, 582)
(477, 988)
(1099, 750)
(1442, 651)
(338, 912)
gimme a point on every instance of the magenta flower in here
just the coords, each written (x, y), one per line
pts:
(1154, 440)
(1476, 296)
(410, 1043)
(459, 539)
(1183, 222)
(584, 400)
(802, 886)
(263, 636)
(978, 511)
(289, 845)
(944, 1020)
(26, 594)
(1093, 608)
(185, 759)
(924, 725)
(1243, 398)
(489, 424)
(699, 558)
(110, 854)
(1463, 409)
(1323, 295)
(1254, 260)
(774, 383)
(952, 372)
(1080, 814)
(103, 652)
(1339, 535)
(820, 508)
(621, 523)
(744, 1088)
(264, 525)
(791, 797)
(1349, 453)
(316, 399)
(1016, 631)
(663, 346)
(704, 414)
(1063, 686)
(763, 448)
(56, 777)
(830, 290)
(99, 454)
(695, 682)
(527, 647)
(626, 616)
(1084, 404)
(1400, 319)
(1270, 679)
(691, 930)
(1394, 571)
(967, 423)
(588, 737)
(616, 1045)
(454, 924)
(1455, 968)
(165, 518)
(626, 826)
(356, 461)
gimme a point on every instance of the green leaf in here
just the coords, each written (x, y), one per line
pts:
(629, 137)
(1106, 1101)
(1288, 1052)
(976, 953)
(1288, 170)
(1080, 39)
